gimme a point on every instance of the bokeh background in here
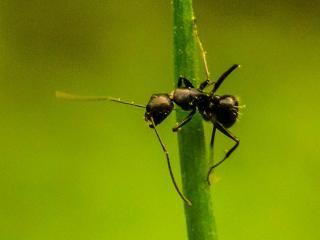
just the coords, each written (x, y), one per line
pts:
(95, 171)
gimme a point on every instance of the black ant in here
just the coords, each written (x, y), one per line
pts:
(222, 111)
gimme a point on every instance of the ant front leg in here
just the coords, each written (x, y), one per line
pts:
(164, 149)
(227, 133)
(185, 81)
(184, 121)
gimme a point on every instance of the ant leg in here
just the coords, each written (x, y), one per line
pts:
(169, 165)
(204, 84)
(227, 133)
(73, 97)
(223, 77)
(212, 136)
(184, 121)
(185, 81)
(211, 148)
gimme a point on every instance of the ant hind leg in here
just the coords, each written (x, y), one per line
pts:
(211, 161)
(227, 133)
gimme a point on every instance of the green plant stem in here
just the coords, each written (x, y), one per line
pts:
(194, 163)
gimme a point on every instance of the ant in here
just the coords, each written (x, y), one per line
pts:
(222, 111)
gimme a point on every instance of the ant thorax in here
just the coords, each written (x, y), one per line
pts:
(206, 107)
(186, 98)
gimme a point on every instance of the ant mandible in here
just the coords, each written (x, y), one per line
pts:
(222, 111)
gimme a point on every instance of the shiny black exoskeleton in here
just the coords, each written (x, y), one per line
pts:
(222, 111)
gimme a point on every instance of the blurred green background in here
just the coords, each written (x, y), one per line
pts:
(95, 170)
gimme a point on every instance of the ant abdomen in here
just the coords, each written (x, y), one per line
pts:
(158, 108)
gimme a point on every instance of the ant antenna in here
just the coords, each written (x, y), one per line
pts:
(73, 97)
(203, 52)
(187, 201)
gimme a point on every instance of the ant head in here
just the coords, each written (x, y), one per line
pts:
(227, 109)
(158, 108)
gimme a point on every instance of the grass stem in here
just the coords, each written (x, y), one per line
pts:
(194, 163)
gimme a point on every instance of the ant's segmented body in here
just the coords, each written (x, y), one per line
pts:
(221, 111)
(214, 108)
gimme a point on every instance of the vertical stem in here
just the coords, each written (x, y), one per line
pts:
(194, 163)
